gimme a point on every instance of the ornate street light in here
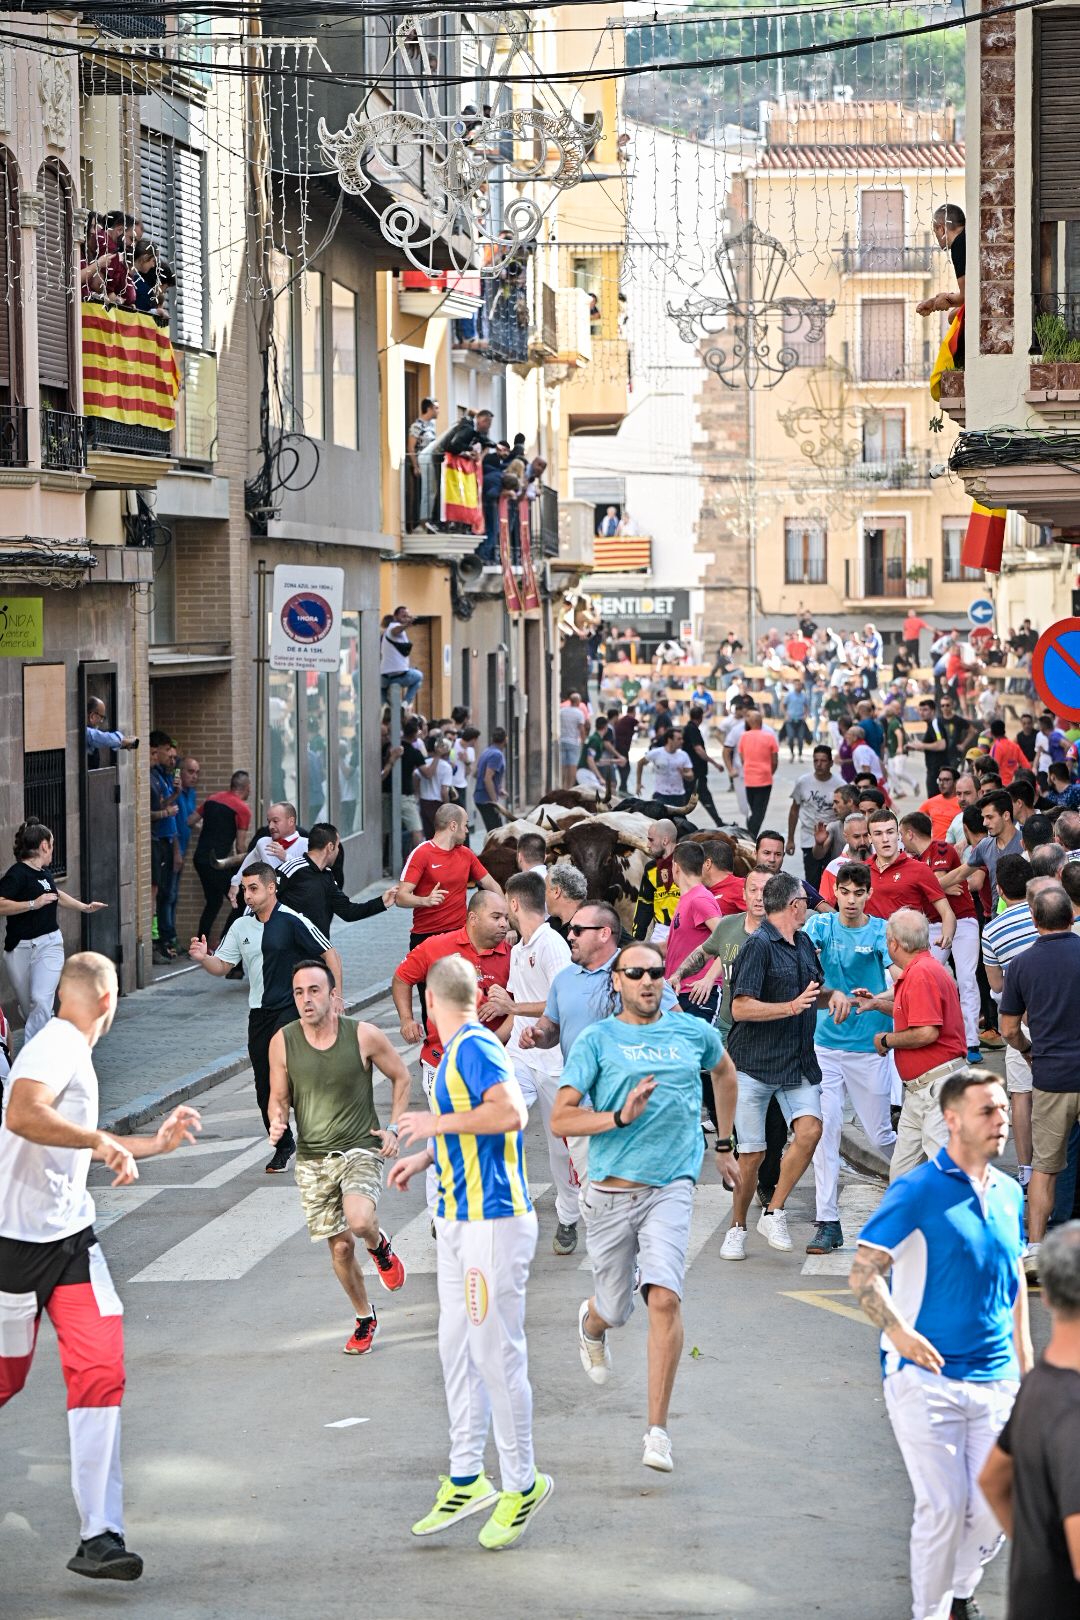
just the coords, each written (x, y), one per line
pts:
(753, 328)
(433, 178)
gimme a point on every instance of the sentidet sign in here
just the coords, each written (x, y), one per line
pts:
(305, 620)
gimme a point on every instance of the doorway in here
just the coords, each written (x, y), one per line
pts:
(99, 821)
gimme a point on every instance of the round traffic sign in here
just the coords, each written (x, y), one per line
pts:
(981, 611)
(1055, 668)
(307, 618)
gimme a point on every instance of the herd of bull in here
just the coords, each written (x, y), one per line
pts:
(608, 847)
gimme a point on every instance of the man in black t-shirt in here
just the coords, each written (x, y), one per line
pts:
(1031, 1478)
(225, 817)
(932, 742)
(949, 228)
(694, 745)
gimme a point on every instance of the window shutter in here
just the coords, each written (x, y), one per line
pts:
(1058, 114)
(54, 273)
(187, 245)
(8, 290)
(154, 188)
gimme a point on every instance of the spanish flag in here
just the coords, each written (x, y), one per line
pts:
(950, 355)
(985, 538)
(461, 492)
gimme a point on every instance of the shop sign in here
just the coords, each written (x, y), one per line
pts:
(21, 627)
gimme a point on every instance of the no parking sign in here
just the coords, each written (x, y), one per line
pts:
(1055, 668)
(305, 623)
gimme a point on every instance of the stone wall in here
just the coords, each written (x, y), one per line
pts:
(996, 225)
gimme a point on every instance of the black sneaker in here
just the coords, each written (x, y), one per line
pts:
(105, 1558)
(965, 1609)
(280, 1162)
(565, 1239)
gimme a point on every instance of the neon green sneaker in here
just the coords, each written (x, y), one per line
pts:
(514, 1513)
(454, 1502)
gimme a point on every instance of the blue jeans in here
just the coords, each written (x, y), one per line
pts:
(410, 681)
(167, 907)
(1065, 1187)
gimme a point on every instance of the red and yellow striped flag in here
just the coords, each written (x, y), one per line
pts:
(946, 359)
(129, 368)
(985, 538)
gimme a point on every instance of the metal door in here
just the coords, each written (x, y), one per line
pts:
(99, 821)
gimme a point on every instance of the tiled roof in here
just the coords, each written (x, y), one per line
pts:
(895, 155)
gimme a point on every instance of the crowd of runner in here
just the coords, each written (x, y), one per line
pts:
(740, 1018)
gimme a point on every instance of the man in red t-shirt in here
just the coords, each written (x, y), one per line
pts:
(942, 857)
(927, 1037)
(718, 876)
(1008, 756)
(696, 915)
(897, 881)
(437, 875)
(482, 942)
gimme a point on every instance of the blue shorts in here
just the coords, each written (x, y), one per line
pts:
(796, 1102)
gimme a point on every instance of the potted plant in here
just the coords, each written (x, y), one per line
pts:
(1055, 375)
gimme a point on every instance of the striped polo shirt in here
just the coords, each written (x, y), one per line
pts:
(1009, 933)
(481, 1178)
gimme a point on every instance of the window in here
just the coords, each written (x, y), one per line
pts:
(171, 201)
(1057, 192)
(10, 392)
(883, 437)
(311, 354)
(45, 799)
(881, 230)
(314, 798)
(885, 560)
(881, 352)
(343, 364)
(55, 289)
(349, 802)
(804, 552)
(284, 775)
(792, 334)
(282, 403)
(953, 531)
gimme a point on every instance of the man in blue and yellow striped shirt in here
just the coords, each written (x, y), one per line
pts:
(486, 1230)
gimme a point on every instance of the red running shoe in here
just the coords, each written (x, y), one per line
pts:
(363, 1336)
(391, 1270)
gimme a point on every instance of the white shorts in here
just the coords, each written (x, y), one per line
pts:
(410, 813)
(648, 1231)
(1017, 1069)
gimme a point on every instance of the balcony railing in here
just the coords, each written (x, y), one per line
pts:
(13, 441)
(128, 438)
(902, 470)
(130, 381)
(888, 362)
(63, 440)
(871, 578)
(140, 22)
(509, 329)
(546, 540)
(886, 258)
(1055, 322)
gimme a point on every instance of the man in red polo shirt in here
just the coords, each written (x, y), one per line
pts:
(941, 857)
(482, 942)
(927, 1036)
(718, 876)
(897, 881)
(437, 875)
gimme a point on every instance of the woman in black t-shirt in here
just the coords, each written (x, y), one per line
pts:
(34, 946)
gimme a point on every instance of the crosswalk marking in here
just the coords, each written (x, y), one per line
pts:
(110, 1203)
(204, 1145)
(261, 1150)
(711, 1205)
(858, 1201)
(414, 1244)
(231, 1245)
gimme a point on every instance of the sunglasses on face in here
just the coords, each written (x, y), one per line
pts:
(636, 973)
(583, 928)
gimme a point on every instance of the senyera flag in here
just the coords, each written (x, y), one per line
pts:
(985, 538)
(129, 368)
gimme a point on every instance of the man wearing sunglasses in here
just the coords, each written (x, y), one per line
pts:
(640, 1073)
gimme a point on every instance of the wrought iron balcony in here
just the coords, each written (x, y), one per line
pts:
(138, 22)
(886, 258)
(508, 324)
(13, 441)
(128, 437)
(870, 578)
(905, 469)
(547, 538)
(63, 440)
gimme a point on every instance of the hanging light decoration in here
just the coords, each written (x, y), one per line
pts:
(436, 180)
(753, 326)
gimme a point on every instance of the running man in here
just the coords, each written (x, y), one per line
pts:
(486, 1240)
(645, 1156)
(322, 1064)
(50, 1259)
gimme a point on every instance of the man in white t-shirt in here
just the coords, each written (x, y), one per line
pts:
(538, 956)
(50, 1259)
(863, 757)
(811, 804)
(394, 667)
(463, 759)
(673, 770)
(573, 725)
(732, 761)
(434, 782)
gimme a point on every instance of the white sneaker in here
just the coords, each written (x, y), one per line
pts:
(657, 1452)
(773, 1227)
(595, 1355)
(734, 1244)
(1030, 1259)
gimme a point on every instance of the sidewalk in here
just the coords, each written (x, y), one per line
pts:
(182, 1035)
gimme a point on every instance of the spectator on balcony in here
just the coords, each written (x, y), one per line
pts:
(949, 228)
(534, 477)
(609, 523)
(418, 447)
(395, 669)
(149, 288)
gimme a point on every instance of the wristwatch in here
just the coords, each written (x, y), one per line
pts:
(393, 1127)
(725, 1144)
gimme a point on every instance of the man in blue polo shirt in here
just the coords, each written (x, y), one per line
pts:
(955, 1338)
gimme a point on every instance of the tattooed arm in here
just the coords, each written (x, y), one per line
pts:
(867, 1283)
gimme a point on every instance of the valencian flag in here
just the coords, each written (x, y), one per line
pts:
(129, 368)
(985, 538)
(513, 599)
(530, 595)
(461, 493)
(950, 355)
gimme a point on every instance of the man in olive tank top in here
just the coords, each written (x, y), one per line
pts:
(322, 1065)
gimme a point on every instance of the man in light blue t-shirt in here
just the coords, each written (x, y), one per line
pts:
(640, 1073)
(854, 956)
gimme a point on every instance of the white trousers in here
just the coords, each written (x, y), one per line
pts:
(902, 775)
(34, 968)
(867, 1079)
(965, 956)
(740, 795)
(96, 1480)
(431, 1175)
(483, 1267)
(540, 1087)
(945, 1429)
(920, 1130)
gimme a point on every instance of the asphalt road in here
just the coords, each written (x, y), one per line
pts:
(252, 1489)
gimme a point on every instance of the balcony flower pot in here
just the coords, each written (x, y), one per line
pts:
(917, 572)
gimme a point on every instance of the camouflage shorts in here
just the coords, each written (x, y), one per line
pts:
(323, 1184)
